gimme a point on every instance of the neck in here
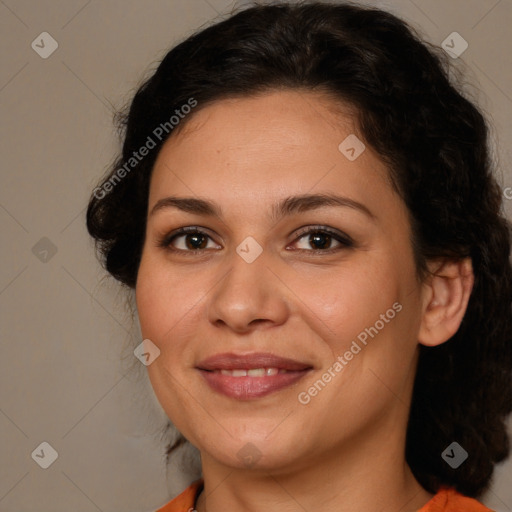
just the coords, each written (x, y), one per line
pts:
(368, 473)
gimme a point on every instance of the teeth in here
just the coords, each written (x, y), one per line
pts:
(253, 372)
(256, 372)
(234, 373)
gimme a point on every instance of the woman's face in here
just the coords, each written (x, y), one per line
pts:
(298, 262)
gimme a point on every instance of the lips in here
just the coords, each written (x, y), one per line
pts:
(252, 375)
(246, 362)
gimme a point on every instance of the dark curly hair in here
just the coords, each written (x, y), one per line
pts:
(435, 143)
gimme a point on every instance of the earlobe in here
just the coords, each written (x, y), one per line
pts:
(446, 295)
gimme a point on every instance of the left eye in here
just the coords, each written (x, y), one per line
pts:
(322, 240)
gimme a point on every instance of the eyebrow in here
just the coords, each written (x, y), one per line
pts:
(288, 206)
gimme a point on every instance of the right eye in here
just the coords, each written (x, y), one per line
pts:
(188, 239)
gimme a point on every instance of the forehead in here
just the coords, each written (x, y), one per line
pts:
(270, 145)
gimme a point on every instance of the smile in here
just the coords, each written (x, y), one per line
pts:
(251, 376)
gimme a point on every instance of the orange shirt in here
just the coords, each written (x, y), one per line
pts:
(446, 500)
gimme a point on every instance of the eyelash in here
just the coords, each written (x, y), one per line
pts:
(341, 238)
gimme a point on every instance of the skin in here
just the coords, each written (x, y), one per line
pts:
(344, 450)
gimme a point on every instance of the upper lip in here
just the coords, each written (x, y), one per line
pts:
(230, 361)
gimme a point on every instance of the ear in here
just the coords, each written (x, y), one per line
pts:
(446, 295)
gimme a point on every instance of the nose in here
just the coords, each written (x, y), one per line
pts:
(248, 297)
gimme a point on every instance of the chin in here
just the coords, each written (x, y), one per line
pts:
(253, 450)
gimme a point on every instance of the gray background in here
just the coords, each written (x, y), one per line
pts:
(67, 371)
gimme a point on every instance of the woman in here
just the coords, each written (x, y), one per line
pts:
(305, 207)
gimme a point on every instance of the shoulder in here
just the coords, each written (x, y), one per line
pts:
(185, 501)
(448, 499)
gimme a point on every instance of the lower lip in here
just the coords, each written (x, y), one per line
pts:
(245, 388)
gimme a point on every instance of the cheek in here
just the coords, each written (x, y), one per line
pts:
(165, 299)
(148, 296)
(349, 300)
(166, 314)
